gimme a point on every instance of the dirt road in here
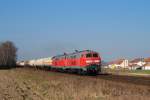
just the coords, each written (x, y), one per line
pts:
(30, 84)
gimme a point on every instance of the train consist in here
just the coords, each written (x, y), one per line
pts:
(42, 63)
(81, 62)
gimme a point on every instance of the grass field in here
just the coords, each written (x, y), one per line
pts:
(126, 71)
(140, 71)
(30, 84)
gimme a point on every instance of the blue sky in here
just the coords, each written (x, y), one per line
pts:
(42, 28)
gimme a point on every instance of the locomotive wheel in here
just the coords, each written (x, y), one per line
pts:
(81, 72)
(93, 73)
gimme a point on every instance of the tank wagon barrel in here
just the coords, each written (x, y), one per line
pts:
(42, 63)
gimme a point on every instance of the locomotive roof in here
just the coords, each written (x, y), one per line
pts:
(77, 52)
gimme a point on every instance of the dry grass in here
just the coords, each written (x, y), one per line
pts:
(127, 72)
(40, 85)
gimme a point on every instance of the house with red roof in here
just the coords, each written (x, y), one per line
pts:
(147, 59)
(147, 65)
(136, 63)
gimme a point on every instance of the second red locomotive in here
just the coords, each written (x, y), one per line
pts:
(82, 62)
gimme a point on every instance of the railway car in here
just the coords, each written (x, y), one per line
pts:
(42, 63)
(82, 62)
(31, 62)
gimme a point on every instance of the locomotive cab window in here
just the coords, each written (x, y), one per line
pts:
(95, 55)
(88, 55)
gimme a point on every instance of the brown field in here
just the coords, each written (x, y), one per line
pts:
(30, 84)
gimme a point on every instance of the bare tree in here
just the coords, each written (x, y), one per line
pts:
(8, 54)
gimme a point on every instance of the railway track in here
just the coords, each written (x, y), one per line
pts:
(138, 80)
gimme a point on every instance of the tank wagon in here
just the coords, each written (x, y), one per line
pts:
(81, 62)
(42, 63)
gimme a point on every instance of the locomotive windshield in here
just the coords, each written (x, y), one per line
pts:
(91, 55)
(88, 55)
(95, 55)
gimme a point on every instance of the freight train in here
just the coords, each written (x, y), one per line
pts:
(81, 62)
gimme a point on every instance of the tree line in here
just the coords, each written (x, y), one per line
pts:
(8, 54)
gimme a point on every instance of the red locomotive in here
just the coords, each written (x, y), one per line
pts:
(82, 62)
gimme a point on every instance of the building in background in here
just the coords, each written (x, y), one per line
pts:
(147, 64)
(120, 63)
(146, 67)
(136, 63)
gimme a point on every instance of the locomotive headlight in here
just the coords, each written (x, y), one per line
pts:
(88, 61)
(92, 61)
(97, 61)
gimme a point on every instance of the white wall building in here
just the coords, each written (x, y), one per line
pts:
(121, 63)
(124, 64)
(146, 67)
(137, 63)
